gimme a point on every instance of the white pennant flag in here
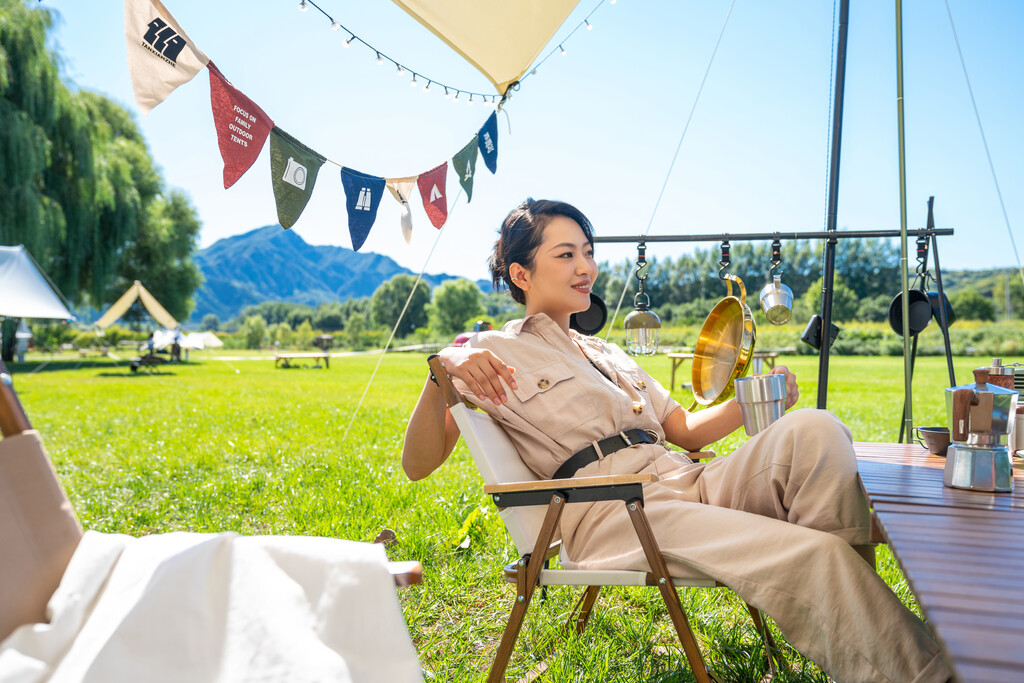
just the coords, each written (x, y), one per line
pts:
(401, 190)
(160, 56)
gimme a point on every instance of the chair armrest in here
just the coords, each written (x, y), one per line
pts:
(571, 483)
(624, 487)
(697, 456)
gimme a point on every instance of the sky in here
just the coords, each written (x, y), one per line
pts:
(598, 126)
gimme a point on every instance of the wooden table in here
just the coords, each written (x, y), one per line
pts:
(284, 358)
(766, 357)
(962, 553)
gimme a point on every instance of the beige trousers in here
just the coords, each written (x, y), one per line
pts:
(774, 521)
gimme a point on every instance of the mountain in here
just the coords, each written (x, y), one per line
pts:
(273, 264)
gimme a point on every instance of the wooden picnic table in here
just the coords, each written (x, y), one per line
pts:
(961, 551)
(765, 357)
(318, 355)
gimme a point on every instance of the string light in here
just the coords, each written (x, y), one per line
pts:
(455, 97)
(483, 97)
(413, 82)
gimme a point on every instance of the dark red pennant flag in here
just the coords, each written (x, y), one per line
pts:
(432, 190)
(242, 127)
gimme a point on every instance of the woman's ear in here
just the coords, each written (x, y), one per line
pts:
(518, 274)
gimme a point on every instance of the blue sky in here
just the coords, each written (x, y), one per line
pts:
(598, 126)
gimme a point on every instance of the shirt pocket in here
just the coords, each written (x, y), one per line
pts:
(552, 399)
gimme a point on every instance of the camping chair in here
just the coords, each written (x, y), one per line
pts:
(38, 528)
(519, 495)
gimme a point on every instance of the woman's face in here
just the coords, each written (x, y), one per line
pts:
(563, 271)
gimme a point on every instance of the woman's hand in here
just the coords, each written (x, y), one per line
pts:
(792, 390)
(481, 370)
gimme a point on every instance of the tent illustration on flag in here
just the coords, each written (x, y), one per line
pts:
(432, 191)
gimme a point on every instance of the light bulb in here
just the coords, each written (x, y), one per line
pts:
(447, 95)
(413, 82)
(399, 69)
(426, 88)
(348, 41)
(303, 6)
(590, 27)
(455, 97)
(563, 50)
(470, 99)
(380, 60)
(335, 25)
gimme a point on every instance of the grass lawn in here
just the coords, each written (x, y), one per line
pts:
(238, 445)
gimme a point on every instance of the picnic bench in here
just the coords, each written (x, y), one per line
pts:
(284, 358)
(760, 359)
(961, 552)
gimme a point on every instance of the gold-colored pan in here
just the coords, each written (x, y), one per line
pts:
(725, 347)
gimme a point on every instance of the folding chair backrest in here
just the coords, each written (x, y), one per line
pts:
(499, 463)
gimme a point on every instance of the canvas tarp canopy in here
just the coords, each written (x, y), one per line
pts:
(24, 290)
(498, 37)
(137, 291)
(192, 340)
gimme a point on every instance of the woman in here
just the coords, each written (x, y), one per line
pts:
(782, 520)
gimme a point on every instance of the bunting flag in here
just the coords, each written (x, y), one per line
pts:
(401, 189)
(488, 142)
(432, 191)
(362, 197)
(160, 56)
(464, 164)
(242, 127)
(293, 169)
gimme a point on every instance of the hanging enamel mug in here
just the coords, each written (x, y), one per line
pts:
(777, 301)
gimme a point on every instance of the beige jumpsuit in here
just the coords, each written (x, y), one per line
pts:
(774, 521)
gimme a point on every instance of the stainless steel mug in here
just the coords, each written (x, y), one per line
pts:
(762, 400)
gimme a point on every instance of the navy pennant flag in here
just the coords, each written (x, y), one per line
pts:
(488, 142)
(293, 170)
(362, 197)
(464, 164)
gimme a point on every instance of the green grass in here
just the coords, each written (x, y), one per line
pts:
(242, 446)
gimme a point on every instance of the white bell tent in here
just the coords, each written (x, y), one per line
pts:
(25, 291)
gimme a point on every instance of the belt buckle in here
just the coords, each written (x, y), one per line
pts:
(654, 435)
(627, 440)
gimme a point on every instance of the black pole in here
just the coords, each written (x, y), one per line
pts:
(828, 271)
(943, 318)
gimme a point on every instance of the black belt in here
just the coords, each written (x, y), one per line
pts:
(608, 446)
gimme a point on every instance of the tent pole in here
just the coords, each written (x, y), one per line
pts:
(828, 270)
(908, 414)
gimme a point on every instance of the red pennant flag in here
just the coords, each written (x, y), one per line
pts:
(432, 190)
(242, 127)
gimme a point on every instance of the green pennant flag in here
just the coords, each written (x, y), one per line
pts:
(293, 169)
(464, 164)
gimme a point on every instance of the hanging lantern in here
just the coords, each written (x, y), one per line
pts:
(643, 326)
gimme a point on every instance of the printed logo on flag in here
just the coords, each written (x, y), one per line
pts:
(295, 174)
(163, 41)
(363, 203)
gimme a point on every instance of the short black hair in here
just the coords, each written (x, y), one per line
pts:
(521, 233)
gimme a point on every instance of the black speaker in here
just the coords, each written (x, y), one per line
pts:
(812, 333)
(591, 320)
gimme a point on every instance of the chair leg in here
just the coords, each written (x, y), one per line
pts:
(581, 612)
(526, 582)
(668, 590)
(772, 655)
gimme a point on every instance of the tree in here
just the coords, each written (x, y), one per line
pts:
(455, 302)
(389, 299)
(354, 329)
(844, 300)
(254, 329)
(328, 317)
(210, 322)
(970, 305)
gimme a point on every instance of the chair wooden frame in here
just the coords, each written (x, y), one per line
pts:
(481, 434)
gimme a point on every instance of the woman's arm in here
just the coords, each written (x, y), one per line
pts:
(694, 431)
(432, 433)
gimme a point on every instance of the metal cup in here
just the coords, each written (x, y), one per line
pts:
(935, 439)
(777, 301)
(762, 400)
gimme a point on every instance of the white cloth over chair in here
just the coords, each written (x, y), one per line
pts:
(217, 607)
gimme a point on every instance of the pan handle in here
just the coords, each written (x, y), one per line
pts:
(729, 279)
